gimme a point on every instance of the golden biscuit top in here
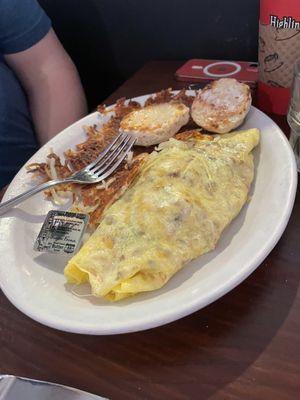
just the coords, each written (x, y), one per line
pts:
(153, 117)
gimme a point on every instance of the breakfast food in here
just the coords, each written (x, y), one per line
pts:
(155, 123)
(222, 105)
(94, 199)
(183, 197)
(163, 208)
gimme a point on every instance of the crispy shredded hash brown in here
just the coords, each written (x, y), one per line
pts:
(95, 198)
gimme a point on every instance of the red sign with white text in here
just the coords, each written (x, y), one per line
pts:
(279, 47)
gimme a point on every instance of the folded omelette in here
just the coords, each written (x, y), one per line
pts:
(186, 193)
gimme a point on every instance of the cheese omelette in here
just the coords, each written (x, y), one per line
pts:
(186, 193)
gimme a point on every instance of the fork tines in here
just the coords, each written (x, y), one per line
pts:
(109, 160)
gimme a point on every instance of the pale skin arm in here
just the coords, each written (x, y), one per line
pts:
(52, 84)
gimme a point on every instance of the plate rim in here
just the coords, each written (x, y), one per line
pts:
(185, 309)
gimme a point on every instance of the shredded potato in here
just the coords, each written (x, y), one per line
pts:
(94, 199)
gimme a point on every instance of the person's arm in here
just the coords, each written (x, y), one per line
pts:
(52, 85)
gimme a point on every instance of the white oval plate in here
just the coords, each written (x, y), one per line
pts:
(35, 283)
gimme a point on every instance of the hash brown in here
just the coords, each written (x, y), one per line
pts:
(94, 199)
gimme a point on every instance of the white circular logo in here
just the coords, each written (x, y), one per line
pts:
(237, 69)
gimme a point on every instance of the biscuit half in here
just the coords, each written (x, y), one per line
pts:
(155, 123)
(222, 105)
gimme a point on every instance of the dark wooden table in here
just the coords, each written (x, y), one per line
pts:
(244, 346)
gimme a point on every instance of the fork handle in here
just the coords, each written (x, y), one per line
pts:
(7, 205)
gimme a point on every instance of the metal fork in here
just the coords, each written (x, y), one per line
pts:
(101, 168)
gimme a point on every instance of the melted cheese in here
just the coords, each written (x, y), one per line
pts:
(155, 116)
(184, 197)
